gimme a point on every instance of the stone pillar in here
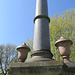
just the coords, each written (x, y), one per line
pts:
(41, 42)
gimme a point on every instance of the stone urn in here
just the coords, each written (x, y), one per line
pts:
(22, 52)
(63, 45)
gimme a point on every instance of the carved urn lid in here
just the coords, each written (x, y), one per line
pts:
(23, 46)
(62, 39)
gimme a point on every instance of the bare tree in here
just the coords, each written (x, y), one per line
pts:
(8, 54)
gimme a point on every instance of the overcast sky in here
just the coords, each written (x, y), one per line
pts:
(16, 18)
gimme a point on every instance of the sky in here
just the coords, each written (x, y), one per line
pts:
(16, 18)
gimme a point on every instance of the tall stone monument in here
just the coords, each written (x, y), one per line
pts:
(41, 62)
(41, 42)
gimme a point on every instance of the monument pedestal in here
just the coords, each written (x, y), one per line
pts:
(41, 62)
(42, 68)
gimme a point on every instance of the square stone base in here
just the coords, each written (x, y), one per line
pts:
(41, 68)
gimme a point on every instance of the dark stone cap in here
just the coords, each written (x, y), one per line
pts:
(23, 46)
(62, 39)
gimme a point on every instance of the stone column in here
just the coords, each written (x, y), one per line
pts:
(41, 42)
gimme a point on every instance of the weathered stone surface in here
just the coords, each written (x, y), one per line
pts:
(35, 64)
(69, 67)
(42, 68)
(70, 64)
(35, 68)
